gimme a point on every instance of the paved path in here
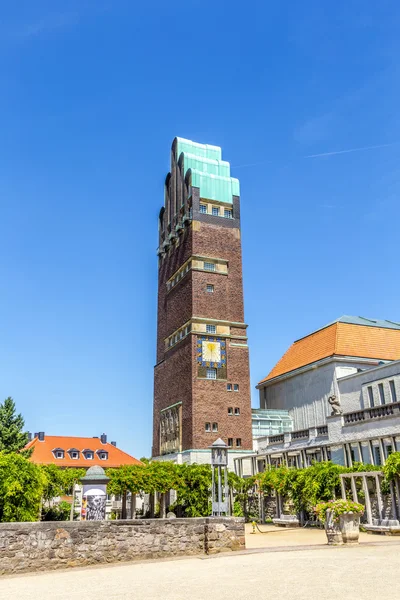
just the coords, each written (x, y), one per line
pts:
(278, 537)
(367, 572)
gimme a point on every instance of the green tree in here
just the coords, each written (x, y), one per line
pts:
(193, 486)
(54, 482)
(392, 467)
(12, 436)
(58, 512)
(22, 484)
(245, 500)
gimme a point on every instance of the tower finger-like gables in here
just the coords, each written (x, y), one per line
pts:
(201, 381)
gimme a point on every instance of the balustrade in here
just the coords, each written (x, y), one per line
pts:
(375, 412)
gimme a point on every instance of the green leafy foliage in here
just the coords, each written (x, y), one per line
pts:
(130, 478)
(59, 482)
(54, 478)
(246, 501)
(193, 490)
(22, 484)
(337, 508)
(12, 438)
(304, 487)
(392, 466)
(58, 512)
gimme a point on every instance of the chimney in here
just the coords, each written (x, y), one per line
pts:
(114, 444)
(29, 434)
(41, 436)
(35, 435)
(103, 438)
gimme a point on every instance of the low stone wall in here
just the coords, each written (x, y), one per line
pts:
(56, 545)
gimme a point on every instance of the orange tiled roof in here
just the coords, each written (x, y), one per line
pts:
(43, 454)
(341, 339)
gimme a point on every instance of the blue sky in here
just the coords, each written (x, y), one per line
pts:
(92, 95)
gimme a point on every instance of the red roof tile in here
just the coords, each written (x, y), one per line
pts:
(340, 339)
(43, 452)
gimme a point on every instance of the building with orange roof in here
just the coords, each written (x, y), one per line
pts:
(83, 453)
(78, 452)
(340, 386)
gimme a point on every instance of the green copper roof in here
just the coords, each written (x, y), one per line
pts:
(209, 172)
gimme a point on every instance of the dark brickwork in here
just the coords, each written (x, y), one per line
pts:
(178, 377)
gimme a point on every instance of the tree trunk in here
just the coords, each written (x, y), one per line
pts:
(152, 504)
(123, 509)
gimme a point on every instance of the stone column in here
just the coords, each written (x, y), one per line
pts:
(367, 500)
(379, 496)
(354, 488)
(133, 505)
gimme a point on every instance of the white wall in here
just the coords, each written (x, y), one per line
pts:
(305, 394)
(353, 389)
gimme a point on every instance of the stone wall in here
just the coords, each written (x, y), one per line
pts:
(55, 545)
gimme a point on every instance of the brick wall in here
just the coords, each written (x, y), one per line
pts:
(56, 545)
(178, 377)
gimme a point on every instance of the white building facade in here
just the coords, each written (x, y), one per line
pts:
(366, 391)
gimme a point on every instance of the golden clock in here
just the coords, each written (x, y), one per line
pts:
(211, 351)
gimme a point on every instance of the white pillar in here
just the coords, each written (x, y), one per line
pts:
(367, 500)
(379, 496)
(343, 487)
(354, 488)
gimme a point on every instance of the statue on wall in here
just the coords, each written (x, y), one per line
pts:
(336, 407)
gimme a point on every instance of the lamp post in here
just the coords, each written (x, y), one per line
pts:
(219, 464)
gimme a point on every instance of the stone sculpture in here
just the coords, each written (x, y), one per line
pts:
(336, 407)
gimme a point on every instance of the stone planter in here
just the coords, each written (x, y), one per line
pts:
(349, 524)
(332, 530)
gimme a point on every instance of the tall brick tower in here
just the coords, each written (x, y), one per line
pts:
(201, 381)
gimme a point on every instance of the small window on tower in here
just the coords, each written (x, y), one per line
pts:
(211, 328)
(229, 387)
(209, 266)
(207, 427)
(230, 442)
(215, 211)
(215, 427)
(230, 410)
(210, 288)
(237, 412)
(211, 373)
(238, 442)
(203, 208)
(235, 387)
(228, 213)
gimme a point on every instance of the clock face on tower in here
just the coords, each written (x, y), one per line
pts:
(211, 352)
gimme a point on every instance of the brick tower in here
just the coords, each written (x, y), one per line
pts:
(201, 380)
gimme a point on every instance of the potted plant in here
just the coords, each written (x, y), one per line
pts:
(342, 520)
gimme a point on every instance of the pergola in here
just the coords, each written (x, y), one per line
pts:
(382, 511)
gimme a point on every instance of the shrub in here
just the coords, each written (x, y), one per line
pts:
(337, 507)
